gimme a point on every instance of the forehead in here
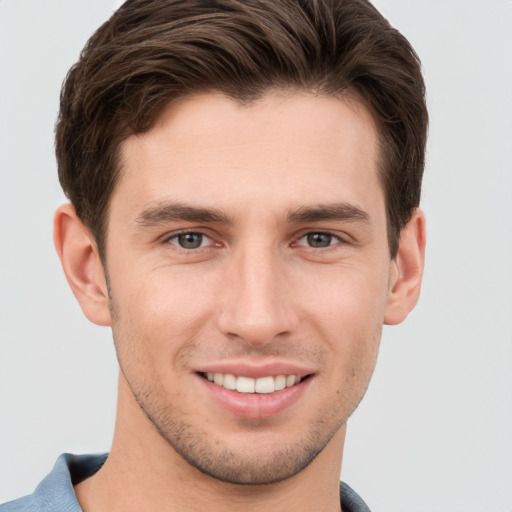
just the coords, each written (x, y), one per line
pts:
(281, 150)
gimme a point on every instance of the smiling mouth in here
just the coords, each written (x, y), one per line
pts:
(263, 385)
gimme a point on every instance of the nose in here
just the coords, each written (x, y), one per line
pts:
(256, 298)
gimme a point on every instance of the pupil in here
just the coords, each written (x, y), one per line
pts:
(319, 239)
(190, 240)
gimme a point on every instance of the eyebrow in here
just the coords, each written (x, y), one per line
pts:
(165, 212)
(162, 213)
(325, 212)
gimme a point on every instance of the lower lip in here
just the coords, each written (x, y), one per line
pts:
(256, 405)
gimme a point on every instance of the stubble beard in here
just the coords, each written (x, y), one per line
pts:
(214, 457)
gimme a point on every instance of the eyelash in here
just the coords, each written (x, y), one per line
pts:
(175, 236)
(337, 239)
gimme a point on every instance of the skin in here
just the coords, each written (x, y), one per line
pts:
(293, 268)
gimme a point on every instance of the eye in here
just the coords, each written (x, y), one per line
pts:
(190, 240)
(318, 240)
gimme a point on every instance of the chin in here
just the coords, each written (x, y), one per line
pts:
(257, 458)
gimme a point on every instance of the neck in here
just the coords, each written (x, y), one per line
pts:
(143, 472)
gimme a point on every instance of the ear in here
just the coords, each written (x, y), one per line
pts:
(407, 270)
(81, 264)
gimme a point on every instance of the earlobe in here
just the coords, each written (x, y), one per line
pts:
(81, 264)
(407, 270)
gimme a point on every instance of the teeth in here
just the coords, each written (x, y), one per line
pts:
(290, 380)
(245, 385)
(229, 381)
(279, 382)
(265, 385)
(248, 385)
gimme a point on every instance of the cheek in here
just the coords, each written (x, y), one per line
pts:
(347, 314)
(157, 316)
(352, 330)
(348, 298)
(162, 297)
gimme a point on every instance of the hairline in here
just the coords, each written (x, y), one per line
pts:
(349, 96)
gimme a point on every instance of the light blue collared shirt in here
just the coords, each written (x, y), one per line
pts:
(56, 494)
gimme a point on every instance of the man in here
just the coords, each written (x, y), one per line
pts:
(244, 179)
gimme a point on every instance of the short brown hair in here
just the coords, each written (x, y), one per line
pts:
(151, 52)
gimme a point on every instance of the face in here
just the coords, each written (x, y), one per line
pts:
(249, 275)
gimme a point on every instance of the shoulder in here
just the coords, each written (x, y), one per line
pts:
(350, 500)
(56, 491)
(24, 504)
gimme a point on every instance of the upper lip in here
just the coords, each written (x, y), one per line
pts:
(255, 371)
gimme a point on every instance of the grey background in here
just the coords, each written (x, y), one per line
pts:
(435, 430)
